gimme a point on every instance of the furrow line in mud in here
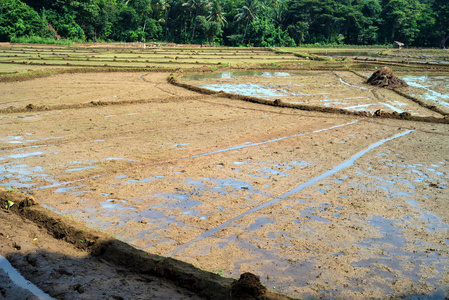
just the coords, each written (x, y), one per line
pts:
(348, 84)
(293, 191)
(198, 155)
(269, 141)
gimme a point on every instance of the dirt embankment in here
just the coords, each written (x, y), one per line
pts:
(68, 260)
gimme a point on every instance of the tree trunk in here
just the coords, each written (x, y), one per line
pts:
(166, 25)
(194, 26)
(443, 40)
(143, 29)
(244, 34)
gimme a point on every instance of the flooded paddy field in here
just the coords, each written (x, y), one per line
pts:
(338, 89)
(318, 205)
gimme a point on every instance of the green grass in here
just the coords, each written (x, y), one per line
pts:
(39, 40)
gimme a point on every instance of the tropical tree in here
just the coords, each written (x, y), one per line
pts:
(164, 6)
(208, 29)
(441, 11)
(216, 13)
(18, 19)
(197, 7)
(279, 13)
(371, 11)
(298, 31)
(401, 20)
(247, 13)
(321, 15)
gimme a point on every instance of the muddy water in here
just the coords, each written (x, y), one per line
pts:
(328, 89)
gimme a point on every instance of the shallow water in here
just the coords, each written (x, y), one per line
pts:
(296, 88)
(20, 281)
(435, 87)
(247, 89)
(236, 74)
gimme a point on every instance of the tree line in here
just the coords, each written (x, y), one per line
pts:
(260, 23)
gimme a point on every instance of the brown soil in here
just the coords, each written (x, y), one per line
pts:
(230, 187)
(384, 77)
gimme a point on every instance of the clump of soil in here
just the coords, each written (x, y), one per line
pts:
(384, 77)
(248, 287)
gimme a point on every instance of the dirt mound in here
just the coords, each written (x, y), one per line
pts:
(248, 287)
(384, 77)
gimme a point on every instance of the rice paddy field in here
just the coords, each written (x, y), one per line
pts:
(280, 162)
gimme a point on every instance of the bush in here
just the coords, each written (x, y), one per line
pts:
(18, 19)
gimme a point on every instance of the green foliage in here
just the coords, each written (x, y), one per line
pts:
(400, 20)
(229, 22)
(64, 24)
(264, 33)
(18, 19)
(209, 30)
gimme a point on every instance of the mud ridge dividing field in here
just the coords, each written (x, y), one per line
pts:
(177, 178)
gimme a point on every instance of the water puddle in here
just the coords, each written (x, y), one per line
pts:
(21, 175)
(177, 145)
(22, 155)
(143, 180)
(252, 84)
(260, 222)
(67, 189)
(311, 213)
(115, 204)
(118, 158)
(394, 247)
(20, 281)
(247, 89)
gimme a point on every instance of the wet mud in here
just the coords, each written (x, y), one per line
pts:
(316, 205)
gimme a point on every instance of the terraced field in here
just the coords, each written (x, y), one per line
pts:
(317, 201)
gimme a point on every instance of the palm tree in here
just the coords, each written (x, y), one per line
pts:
(164, 6)
(248, 12)
(196, 6)
(279, 13)
(216, 13)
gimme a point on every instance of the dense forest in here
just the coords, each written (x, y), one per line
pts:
(261, 23)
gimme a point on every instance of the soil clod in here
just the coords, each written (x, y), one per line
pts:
(248, 287)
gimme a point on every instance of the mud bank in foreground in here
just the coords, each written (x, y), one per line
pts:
(68, 260)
